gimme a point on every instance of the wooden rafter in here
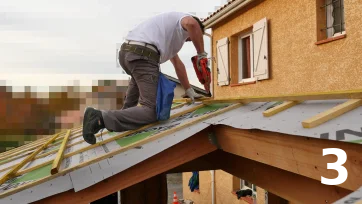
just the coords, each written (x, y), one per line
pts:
(58, 159)
(279, 108)
(332, 113)
(14, 170)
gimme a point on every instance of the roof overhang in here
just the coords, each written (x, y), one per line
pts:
(225, 12)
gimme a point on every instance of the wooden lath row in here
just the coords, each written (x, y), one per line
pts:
(60, 156)
(354, 96)
(37, 143)
(29, 158)
(73, 144)
(122, 149)
(10, 158)
(56, 163)
(26, 151)
(33, 145)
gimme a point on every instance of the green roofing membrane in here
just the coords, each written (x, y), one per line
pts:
(36, 174)
(209, 108)
(125, 141)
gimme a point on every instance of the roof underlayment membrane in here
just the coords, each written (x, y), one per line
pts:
(345, 128)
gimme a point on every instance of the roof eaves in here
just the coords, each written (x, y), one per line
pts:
(225, 11)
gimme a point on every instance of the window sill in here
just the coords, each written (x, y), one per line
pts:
(242, 84)
(330, 39)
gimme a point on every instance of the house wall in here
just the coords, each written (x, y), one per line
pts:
(179, 91)
(296, 64)
(223, 189)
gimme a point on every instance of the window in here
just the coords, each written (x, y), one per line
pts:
(330, 20)
(244, 58)
(248, 56)
(334, 17)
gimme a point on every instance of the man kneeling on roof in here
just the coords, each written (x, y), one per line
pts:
(150, 44)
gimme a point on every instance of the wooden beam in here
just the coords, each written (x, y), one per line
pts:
(353, 94)
(288, 185)
(190, 149)
(200, 164)
(332, 113)
(59, 158)
(14, 170)
(280, 108)
(297, 154)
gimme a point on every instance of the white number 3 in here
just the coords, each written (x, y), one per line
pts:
(342, 171)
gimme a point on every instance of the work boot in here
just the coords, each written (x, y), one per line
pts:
(92, 123)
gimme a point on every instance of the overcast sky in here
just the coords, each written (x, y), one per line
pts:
(79, 36)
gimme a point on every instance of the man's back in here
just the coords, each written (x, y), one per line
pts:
(164, 31)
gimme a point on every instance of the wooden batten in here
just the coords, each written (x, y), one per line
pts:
(188, 100)
(280, 108)
(332, 113)
(58, 159)
(178, 106)
(353, 94)
(14, 170)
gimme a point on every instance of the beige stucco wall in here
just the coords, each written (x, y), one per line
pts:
(297, 65)
(223, 189)
(179, 91)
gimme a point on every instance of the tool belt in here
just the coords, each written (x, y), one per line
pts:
(142, 51)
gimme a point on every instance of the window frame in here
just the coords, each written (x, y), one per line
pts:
(240, 58)
(322, 22)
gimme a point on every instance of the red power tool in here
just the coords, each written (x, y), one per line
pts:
(204, 75)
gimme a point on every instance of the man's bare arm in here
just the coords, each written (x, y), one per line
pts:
(181, 72)
(195, 32)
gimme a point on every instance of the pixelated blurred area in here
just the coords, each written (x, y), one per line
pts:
(29, 115)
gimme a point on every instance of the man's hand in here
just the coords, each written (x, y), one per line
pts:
(199, 57)
(190, 93)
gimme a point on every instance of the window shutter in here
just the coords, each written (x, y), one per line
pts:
(223, 62)
(261, 65)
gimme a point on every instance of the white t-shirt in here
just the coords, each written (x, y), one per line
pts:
(164, 31)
